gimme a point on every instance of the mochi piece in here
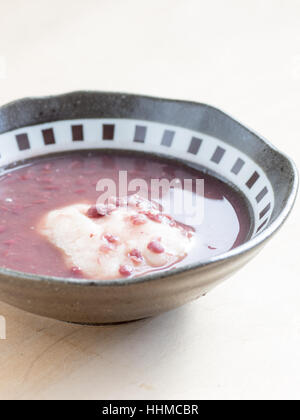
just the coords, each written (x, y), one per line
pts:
(121, 239)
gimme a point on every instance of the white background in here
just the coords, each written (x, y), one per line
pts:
(243, 339)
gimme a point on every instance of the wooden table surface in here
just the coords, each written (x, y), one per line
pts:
(243, 339)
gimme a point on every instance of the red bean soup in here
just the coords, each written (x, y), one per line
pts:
(52, 221)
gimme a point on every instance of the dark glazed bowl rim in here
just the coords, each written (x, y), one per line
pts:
(14, 109)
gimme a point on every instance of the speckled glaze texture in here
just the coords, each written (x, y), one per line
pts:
(98, 302)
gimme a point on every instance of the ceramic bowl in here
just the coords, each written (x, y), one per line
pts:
(196, 134)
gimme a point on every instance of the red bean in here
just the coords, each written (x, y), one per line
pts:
(105, 248)
(9, 242)
(44, 180)
(24, 177)
(51, 188)
(76, 271)
(136, 256)
(95, 213)
(156, 217)
(17, 209)
(39, 202)
(47, 167)
(125, 270)
(135, 253)
(111, 238)
(80, 181)
(155, 247)
(138, 219)
(75, 164)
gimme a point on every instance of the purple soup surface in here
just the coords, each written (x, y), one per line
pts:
(30, 191)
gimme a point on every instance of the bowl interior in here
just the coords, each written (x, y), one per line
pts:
(196, 133)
